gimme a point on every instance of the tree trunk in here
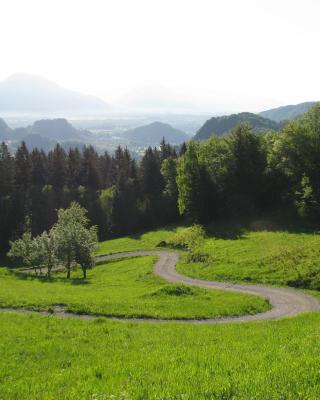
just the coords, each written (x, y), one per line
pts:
(69, 267)
(84, 270)
(49, 267)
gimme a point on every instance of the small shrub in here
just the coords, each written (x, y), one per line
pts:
(197, 256)
(175, 290)
(310, 280)
(188, 238)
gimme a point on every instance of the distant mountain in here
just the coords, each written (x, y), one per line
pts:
(221, 125)
(45, 134)
(5, 131)
(23, 93)
(287, 112)
(57, 129)
(153, 133)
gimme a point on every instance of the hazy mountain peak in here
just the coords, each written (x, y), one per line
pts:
(24, 77)
(3, 124)
(27, 93)
(291, 111)
(223, 124)
(154, 132)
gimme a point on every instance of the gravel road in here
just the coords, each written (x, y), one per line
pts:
(285, 302)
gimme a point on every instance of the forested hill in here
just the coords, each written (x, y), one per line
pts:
(287, 112)
(240, 174)
(43, 134)
(221, 125)
(153, 133)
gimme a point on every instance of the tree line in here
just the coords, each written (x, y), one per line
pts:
(247, 173)
(238, 174)
(120, 195)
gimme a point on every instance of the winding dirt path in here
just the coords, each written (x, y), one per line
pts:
(285, 302)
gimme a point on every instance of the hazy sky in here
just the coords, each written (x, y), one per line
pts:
(226, 55)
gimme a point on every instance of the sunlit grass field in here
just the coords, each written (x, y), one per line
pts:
(123, 288)
(142, 241)
(45, 358)
(279, 257)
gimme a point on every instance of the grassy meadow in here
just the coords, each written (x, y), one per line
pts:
(276, 258)
(123, 288)
(142, 241)
(259, 252)
(48, 357)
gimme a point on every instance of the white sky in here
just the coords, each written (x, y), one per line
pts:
(230, 55)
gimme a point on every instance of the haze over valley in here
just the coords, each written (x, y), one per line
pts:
(42, 113)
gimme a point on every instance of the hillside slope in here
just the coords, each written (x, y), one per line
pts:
(287, 112)
(221, 125)
(153, 133)
(43, 134)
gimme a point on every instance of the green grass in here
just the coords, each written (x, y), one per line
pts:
(279, 258)
(143, 241)
(46, 358)
(123, 288)
(241, 254)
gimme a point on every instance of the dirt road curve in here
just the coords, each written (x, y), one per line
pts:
(285, 302)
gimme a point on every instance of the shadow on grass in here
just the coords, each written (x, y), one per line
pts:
(52, 279)
(138, 235)
(282, 221)
(231, 231)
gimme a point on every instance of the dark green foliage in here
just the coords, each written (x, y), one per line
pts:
(36, 184)
(245, 168)
(237, 174)
(191, 180)
(245, 173)
(7, 220)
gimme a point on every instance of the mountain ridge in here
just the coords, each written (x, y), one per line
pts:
(43, 133)
(25, 93)
(288, 112)
(223, 124)
(153, 134)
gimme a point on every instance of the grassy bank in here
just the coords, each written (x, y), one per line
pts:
(280, 258)
(260, 252)
(142, 241)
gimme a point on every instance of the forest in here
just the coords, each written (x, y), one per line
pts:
(241, 173)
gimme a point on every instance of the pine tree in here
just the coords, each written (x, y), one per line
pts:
(7, 214)
(57, 167)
